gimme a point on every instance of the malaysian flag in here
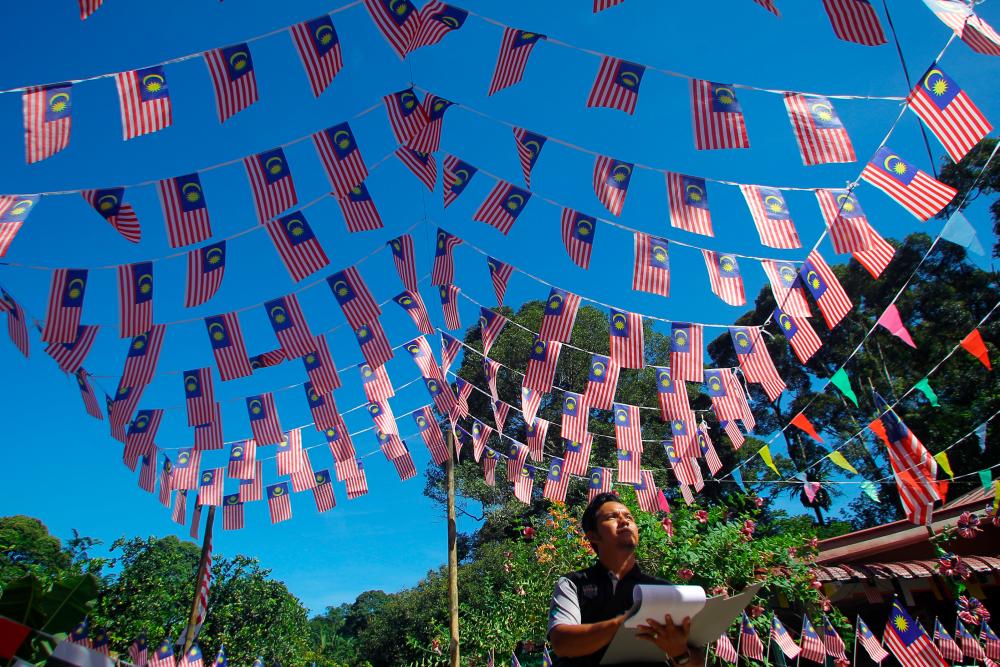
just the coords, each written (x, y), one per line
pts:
(264, 419)
(355, 300)
(818, 131)
(47, 120)
(724, 276)
(990, 641)
(421, 164)
(449, 305)
(787, 293)
(290, 326)
(914, 190)
(397, 20)
(602, 381)
(406, 116)
(271, 183)
(80, 635)
(490, 326)
(500, 410)
(199, 394)
(575, 413)
(845, 219)
(374, 346)
(708, 450)
(319, 48)
(288, 459)
(404, 466)
(800, 334)
(970, 645)
(428, 138)
(138, 651)
(490, 467)
(87, 394)
(14, 210)
(323, 408)
(578, 454)
(323, 491)
(688, 200)
(559, 315)
(756, 361)
(556, 482)
(413, 304)
(908, 642)
(480, 436)
(206, 267)
(523, 484)
(278, 502)
(230, 351)
(749, 643)
(651, 272)
(685, 444)
(164, 654)
(871, 644)
(420, 350)
(974, 31)
(855, 21)
(601, 5)
(145, 101)
(357, 484)
(184, 209)
(17, 328)
(297, 245)
(949, 649)
(443, 272)
(724, 647)
(500, 273)
(627, 339)
(135, 298)
(436, 20)
(826, 290)
(457, 175)
(718, 117)
(142, 431)
(341, 158)
(231, 69)
(403, 258)
(877, 259)
(303, 477)
(673, 397)
(515, 48)
(62, 318)
(70, 356)
(232, 512)
(88, 7)
(724, 403)
(529, 147)
(686, 358)
(320, 367)
(542, 365)
(186, 469)
(812, 647)
(628, 432)
(442, 395)
(431, 434)
(359, 210)
(243, 460)
(536, 431)
(912, 465)
(578, 231)
(646, 493)
(600, 481)
(616, 85)
(783, 639)
(490, 370)
(771, 217)
(611, 179)
(118, 213)
(502, 206)
(147, 476)
(948, 112)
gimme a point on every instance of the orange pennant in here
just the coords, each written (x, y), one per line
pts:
(803, 423)
(878, 428)
(974, 345)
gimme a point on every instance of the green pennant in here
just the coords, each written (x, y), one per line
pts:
(986, 478)
(925, 387)
(843, 383)
(870, 489)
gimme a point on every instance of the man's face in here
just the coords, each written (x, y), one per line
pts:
(615, 527)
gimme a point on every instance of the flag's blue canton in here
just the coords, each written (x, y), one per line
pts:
(598, 368)
(808, 630)
(255, 407)
(406, 101)
(773, 203)
(524, 38)
(332, 434)
(323, 34)
(238, 61)
(786, 323)
(695, 192)
(741, 340)
(624, 455)
(787, 273)
(680, 338)
(359, 193)
(538, 350)
(556, 302)
(109, 201)
(141, 422)
(679, 427)
(812, 278)
(555, 469)
(139, 345)
(942, 88)
(58, 103)
(573, 445)
(277, 490)
(20, 209)
(583, 228)
(515, 200)
(152, 83)
(453, 17)
(619, 175)
(463, 173)
(629, 75)
(905, 627)
(314, 399)
(724, 99)
(213, 257)
(664, 383)
(190, 192)
(847, 204)
(533, 142)
(713, 380)
(398, 10)
(619, 324)
(277, 312)
(571, 406)
(728, 268)
(237, 452)
(217, 332)
(207, 477)
(342, 289)
(823, 115)
(342, 140)
(273, 165)
(622, 417)
(658, 257)
(438, 108)
(142, 277)
(323, 477)
(183, 458)
(432, 386)
(894, 166)
(596, 478)
(297, 230)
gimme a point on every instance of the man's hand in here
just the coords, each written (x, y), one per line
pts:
(671, 639)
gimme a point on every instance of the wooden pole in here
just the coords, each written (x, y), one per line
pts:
(202, 564)
(452, 554)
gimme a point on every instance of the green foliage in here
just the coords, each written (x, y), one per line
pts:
(26, 547)
(52, 608)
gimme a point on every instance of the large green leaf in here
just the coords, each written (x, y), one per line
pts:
(20, 601)
(69, 601)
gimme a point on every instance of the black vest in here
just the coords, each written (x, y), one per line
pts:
(599, 603)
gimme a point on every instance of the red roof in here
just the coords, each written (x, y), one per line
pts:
(909, 569)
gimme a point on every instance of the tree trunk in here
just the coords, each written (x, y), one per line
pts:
(819, 515)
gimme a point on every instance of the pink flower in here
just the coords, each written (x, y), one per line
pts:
(842, 662)
(719, 590)
(436, 645)
(747, 530)
(507, 567)
(968, 525)
(813, 543)
(758, 501)
(792, 552)
(668, 526)
(529, 533)
(827, 606)
(755, 610)
(519, 590)
(701, 516)
(685, 574)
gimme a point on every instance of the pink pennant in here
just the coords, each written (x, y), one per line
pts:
(890, 320)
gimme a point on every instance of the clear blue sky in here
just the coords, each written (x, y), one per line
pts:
(62, 465)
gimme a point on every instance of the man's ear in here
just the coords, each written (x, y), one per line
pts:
(592, 537)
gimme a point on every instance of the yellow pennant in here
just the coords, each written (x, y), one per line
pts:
(942, 459)
(765, 453)
(839, 459)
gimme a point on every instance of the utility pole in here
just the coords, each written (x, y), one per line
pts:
(206, 549)
(452, 553)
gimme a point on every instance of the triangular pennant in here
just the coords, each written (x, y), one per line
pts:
(839, 459)
(974, 345)
(765, 454)
(843, 383)
(800, 420)
(891, 320)
(925, 386)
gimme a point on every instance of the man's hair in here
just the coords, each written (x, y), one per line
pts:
(589, 519)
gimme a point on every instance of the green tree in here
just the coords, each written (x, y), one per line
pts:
(27, 547)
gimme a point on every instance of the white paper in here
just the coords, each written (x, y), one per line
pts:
(657, 601)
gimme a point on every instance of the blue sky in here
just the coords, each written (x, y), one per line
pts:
(68, 469)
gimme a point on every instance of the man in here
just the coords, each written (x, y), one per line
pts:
(589, 606)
